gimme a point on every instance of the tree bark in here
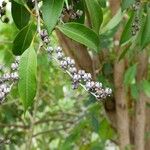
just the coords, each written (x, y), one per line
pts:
(140, 123)
(147, 127)
(140, 109)
(121, 105)
(120, 93)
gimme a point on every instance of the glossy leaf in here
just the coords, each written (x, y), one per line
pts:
(22, 2)
(27, 73)
(126, 4)
(20, 15)
(81, 34)
(51, 11)
(145, 37)
(23, 39)
(96, 17)
(114, 21)
(127, 32)
(102, 3)
(129, 77)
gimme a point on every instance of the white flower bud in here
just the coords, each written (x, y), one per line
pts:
(58, 49)
(14, 66)
(14, 76)
(73, 70)
(60, 55)
(50, 49)
(6, 90)
(2, 95)
(108, 91)
(6, 76)
(17, 59)
(81, 72)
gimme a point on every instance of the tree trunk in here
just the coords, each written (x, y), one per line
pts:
(140, 104)
(147, 126)
(140, 123)
(120, 93)
(121, 105)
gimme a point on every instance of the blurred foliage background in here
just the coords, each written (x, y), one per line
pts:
(63, 119)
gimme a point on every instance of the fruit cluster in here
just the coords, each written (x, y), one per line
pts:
(79, 77)
(69, 13)
(136, 22)
(44, 36)
(7, 79)
(3, 16)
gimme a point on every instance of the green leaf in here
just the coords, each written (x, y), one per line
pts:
(21, 2)
(129, 77)
(126, 4)
(105, 131)
(27, 74)
(51, 11)
(146, 87)
(127, 32)
(102, 3)
(134, 91)
(96, 17)
(95, 123)
(145, 37)
(20, 15)
(114, 21)
(23, 39)
(124, 51)
(81, 34)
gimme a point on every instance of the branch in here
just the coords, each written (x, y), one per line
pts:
(32, 117)
(53, 120)
(14, 126)
(38, 16)
(48, 131)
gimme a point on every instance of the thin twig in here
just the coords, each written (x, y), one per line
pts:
(14, 125)
(53, 120)
(38, 17)
(31, 132)
(66, 71)
(48, 131)
(6, 42)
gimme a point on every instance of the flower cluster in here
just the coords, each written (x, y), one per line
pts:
(44, 36)
(79, 77)
(136, 23)
(136, 5)
(8, 78)
(69, 13)
(3, 16)
(31, 3)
